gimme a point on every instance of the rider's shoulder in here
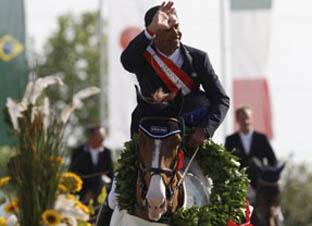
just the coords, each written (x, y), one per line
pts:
(195, 51)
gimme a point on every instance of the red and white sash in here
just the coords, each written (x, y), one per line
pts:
(173, 77)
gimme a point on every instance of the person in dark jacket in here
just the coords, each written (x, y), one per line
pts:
(160, 61)
(246, 144)
(93, 163)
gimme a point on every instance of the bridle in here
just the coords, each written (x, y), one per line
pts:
(177, 127)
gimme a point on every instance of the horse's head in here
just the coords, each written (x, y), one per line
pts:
(160, 136)
(267, 206)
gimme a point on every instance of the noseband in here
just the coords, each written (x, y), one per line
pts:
(160, 128)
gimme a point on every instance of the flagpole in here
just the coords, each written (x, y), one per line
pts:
(102, 62)
(224, 59)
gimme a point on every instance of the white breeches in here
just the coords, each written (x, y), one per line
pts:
(112, 197)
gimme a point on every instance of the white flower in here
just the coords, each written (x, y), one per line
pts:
(68, 208)
(28, 91)
(46, 113)
(209, 184)
(235, 162)
(44, 110)
(12, 220)
(66, 113)
(15, 112)
(72, 221)
(42, 83)
(77, 103)
(82, 94)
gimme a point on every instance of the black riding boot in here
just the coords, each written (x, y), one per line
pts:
(104, 216)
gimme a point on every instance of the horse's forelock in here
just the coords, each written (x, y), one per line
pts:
(161, 104)
(161, 97)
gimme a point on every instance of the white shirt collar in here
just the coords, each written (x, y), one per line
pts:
(94, 155)
(246, 139)
(175, 57)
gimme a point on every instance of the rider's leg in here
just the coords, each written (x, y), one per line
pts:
(106, 211)
(135, 119)
(104, 216)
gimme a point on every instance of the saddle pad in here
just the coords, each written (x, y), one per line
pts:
(122, 218)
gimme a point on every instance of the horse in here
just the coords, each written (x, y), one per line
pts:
(160, 187)
(267, 210)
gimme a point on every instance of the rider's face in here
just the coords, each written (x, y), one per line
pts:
(168, 40)
(96, 139)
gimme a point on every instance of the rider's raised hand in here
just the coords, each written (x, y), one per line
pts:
(163, 18)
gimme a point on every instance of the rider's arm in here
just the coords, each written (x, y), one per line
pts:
(132, 57)
(219, 101)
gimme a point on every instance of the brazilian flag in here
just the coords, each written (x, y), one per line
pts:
(13, 64)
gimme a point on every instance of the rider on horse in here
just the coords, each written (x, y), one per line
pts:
(159, 60)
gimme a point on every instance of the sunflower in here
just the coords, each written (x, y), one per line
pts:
(11, 207)
(4, 181)
(71, 181)
(3, 221)
(51, 217)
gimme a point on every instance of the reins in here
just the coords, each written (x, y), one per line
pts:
(187, 167)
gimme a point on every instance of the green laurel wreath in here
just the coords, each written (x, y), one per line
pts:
(228, 197)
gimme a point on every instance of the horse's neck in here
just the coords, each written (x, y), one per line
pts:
(264, 212)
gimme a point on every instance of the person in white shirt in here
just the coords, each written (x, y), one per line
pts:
(246, 143)
(92, 162)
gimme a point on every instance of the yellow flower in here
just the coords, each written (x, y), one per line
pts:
(3, 221)
(62, 188)
(101, 198)
(51, 217)
(4, 181)
(71, 197)
(83, 207)
(57, 159)
(71, 181)
(11, 207)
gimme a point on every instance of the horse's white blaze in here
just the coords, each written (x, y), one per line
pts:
(156, 194)
(156, 152)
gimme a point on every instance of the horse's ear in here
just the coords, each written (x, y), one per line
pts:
(255, 167)
(178, 102)
(280, 167)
